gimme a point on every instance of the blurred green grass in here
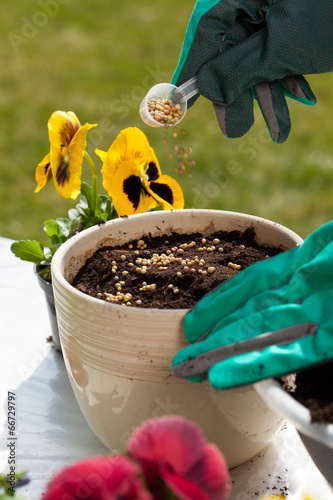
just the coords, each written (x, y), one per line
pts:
(98, 59)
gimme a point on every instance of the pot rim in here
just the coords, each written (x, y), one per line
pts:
(57, 274)
(282, 402)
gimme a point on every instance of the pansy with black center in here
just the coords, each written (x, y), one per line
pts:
(133, 178)
(64, 161)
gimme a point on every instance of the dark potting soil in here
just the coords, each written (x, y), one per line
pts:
(168, 272)
(313, 388)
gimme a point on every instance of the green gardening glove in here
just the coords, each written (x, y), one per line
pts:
(232, 46)
(273, 318)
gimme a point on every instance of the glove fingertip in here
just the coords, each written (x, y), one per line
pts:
(178, 371)
(297, 87)
(236, 119)
(190, 326)
(274, 108)
(178, 359)
(220, 117)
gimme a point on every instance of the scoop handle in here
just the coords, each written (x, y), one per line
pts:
(188, 89)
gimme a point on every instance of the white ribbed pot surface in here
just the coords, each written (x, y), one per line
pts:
(118, 358)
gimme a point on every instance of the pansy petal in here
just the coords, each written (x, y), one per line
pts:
(130, 145)
(175, 450)
(126, 191)
(101, 478)
(66, 163)
(184, 488)
(147, 202)
(78, 146)
(170, 440)
(152, 203)
(101, 154)
(114, 185)
(67, 183)
(211, 473)
(43, 173)
(62, 128)
(109, 170)
(167, 192)
(153, 170)
(214, 473)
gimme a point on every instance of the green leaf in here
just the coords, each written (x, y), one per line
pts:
(105, 204)
(54, 239)
(75, 224)
(30, 250)
(82, 206)
(45, 273)
(17, 496)
(64, 226)
(106, 211)
(49, 252)
(73, 213)
(51, 228)
(87, 192)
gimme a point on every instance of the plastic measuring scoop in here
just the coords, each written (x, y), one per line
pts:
(178, 95)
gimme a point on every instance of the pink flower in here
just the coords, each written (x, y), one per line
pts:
(174, 455)
(98, 478)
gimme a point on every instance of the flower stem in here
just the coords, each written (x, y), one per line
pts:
(94, 181)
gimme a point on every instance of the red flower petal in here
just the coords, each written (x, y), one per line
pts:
(171, 440)
(173, 449)
(184, 488)
(213, 473)
(100, 478)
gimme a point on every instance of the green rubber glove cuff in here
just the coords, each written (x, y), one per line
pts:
(200, 9)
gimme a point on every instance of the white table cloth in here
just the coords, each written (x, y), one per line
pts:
(50, 429)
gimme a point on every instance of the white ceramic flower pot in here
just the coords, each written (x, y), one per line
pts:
(317, 437)
(118, 358)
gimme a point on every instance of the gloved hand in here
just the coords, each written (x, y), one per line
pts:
(273, 318)
(231, 46)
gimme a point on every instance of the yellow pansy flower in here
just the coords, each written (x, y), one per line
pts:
(133, 178)
(67, 147)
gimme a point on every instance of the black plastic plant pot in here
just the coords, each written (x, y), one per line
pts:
(47, 288)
